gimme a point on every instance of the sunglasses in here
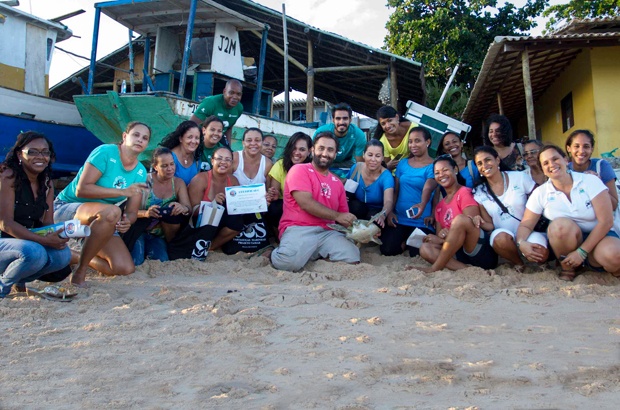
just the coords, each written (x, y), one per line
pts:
(221, 159)
(31, 152)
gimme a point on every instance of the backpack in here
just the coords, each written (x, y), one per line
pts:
(616, 213)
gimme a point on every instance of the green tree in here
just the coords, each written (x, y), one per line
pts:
(442, 33)
(580, 9)
(454, 102)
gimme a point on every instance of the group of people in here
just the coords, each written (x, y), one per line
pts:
(521, 202)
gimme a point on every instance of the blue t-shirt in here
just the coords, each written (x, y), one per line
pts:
(107, 159)
(469, 179)
(607, 172)
(350, 146)
(185, 173)
(411, 183)
(372, 195)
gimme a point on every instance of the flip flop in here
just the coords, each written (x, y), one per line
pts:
(260, 251)
(55, 293)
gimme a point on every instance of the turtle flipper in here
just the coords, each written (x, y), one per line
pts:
(339, 228)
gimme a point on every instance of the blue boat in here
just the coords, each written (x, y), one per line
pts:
(24, 90)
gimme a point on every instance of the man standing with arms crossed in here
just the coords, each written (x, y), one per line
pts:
(226, 106)
(351, 139)
(313, 198)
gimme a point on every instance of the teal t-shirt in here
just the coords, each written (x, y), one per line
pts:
(350, 146)
(107, 159)
(215, 105)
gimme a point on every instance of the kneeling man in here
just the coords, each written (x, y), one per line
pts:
(313, 198)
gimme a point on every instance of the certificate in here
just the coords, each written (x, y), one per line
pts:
(246, 199)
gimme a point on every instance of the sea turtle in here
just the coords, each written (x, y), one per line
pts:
(361, 231)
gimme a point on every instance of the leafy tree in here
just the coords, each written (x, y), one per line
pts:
(580, 9)
(442, 33)
(454, 102)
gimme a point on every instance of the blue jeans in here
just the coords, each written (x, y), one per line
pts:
(149, 246)
(23, 261)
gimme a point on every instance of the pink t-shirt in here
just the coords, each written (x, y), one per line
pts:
(445, 213)
(326, 190)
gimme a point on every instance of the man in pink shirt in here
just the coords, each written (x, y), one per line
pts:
(313, 198)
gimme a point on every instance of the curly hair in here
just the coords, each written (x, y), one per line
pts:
(12, 162)
(505, 129)
(174, 138)
(287, 161)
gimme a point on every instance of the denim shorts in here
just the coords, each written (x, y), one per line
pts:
(65, 211)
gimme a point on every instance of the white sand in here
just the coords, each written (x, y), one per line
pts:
(236, 333)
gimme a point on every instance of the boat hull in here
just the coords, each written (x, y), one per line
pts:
(57, 120)
(107, 115)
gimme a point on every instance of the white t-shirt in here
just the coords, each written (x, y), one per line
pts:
(514, 198)
(553, 204)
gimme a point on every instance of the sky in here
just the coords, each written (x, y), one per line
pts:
(359, 20)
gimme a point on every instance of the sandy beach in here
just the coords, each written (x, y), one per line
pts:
(235, 333)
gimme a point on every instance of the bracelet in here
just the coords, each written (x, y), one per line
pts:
(583, 253)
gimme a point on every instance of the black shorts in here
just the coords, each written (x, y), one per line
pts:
(483, 255)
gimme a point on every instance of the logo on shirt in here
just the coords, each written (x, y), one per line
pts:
(119, 183)
(140, 172)
(326, 190)
(113, 160)
(448, 217)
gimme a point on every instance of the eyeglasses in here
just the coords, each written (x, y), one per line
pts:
(221, 159)
(31, 152)
(532, 152)
(444, 156)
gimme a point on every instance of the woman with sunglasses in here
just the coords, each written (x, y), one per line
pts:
(451, 144)
(26, 199)
(106, 195)
(502, 196)
(462, 237)
(211, 186)
(530, 152)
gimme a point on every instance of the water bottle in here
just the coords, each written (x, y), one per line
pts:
(124, 87)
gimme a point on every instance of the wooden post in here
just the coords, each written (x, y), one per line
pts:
(529, 97)
(287, 116)
(310, 84)
(499, 103)
(393, 86)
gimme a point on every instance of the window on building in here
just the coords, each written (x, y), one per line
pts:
(568, 118)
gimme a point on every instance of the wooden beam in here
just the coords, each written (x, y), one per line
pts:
(529, 98)
(351, 68)
(393, 86)
(347, 92)
(271, 44)
(499, 103)
(310, 84)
